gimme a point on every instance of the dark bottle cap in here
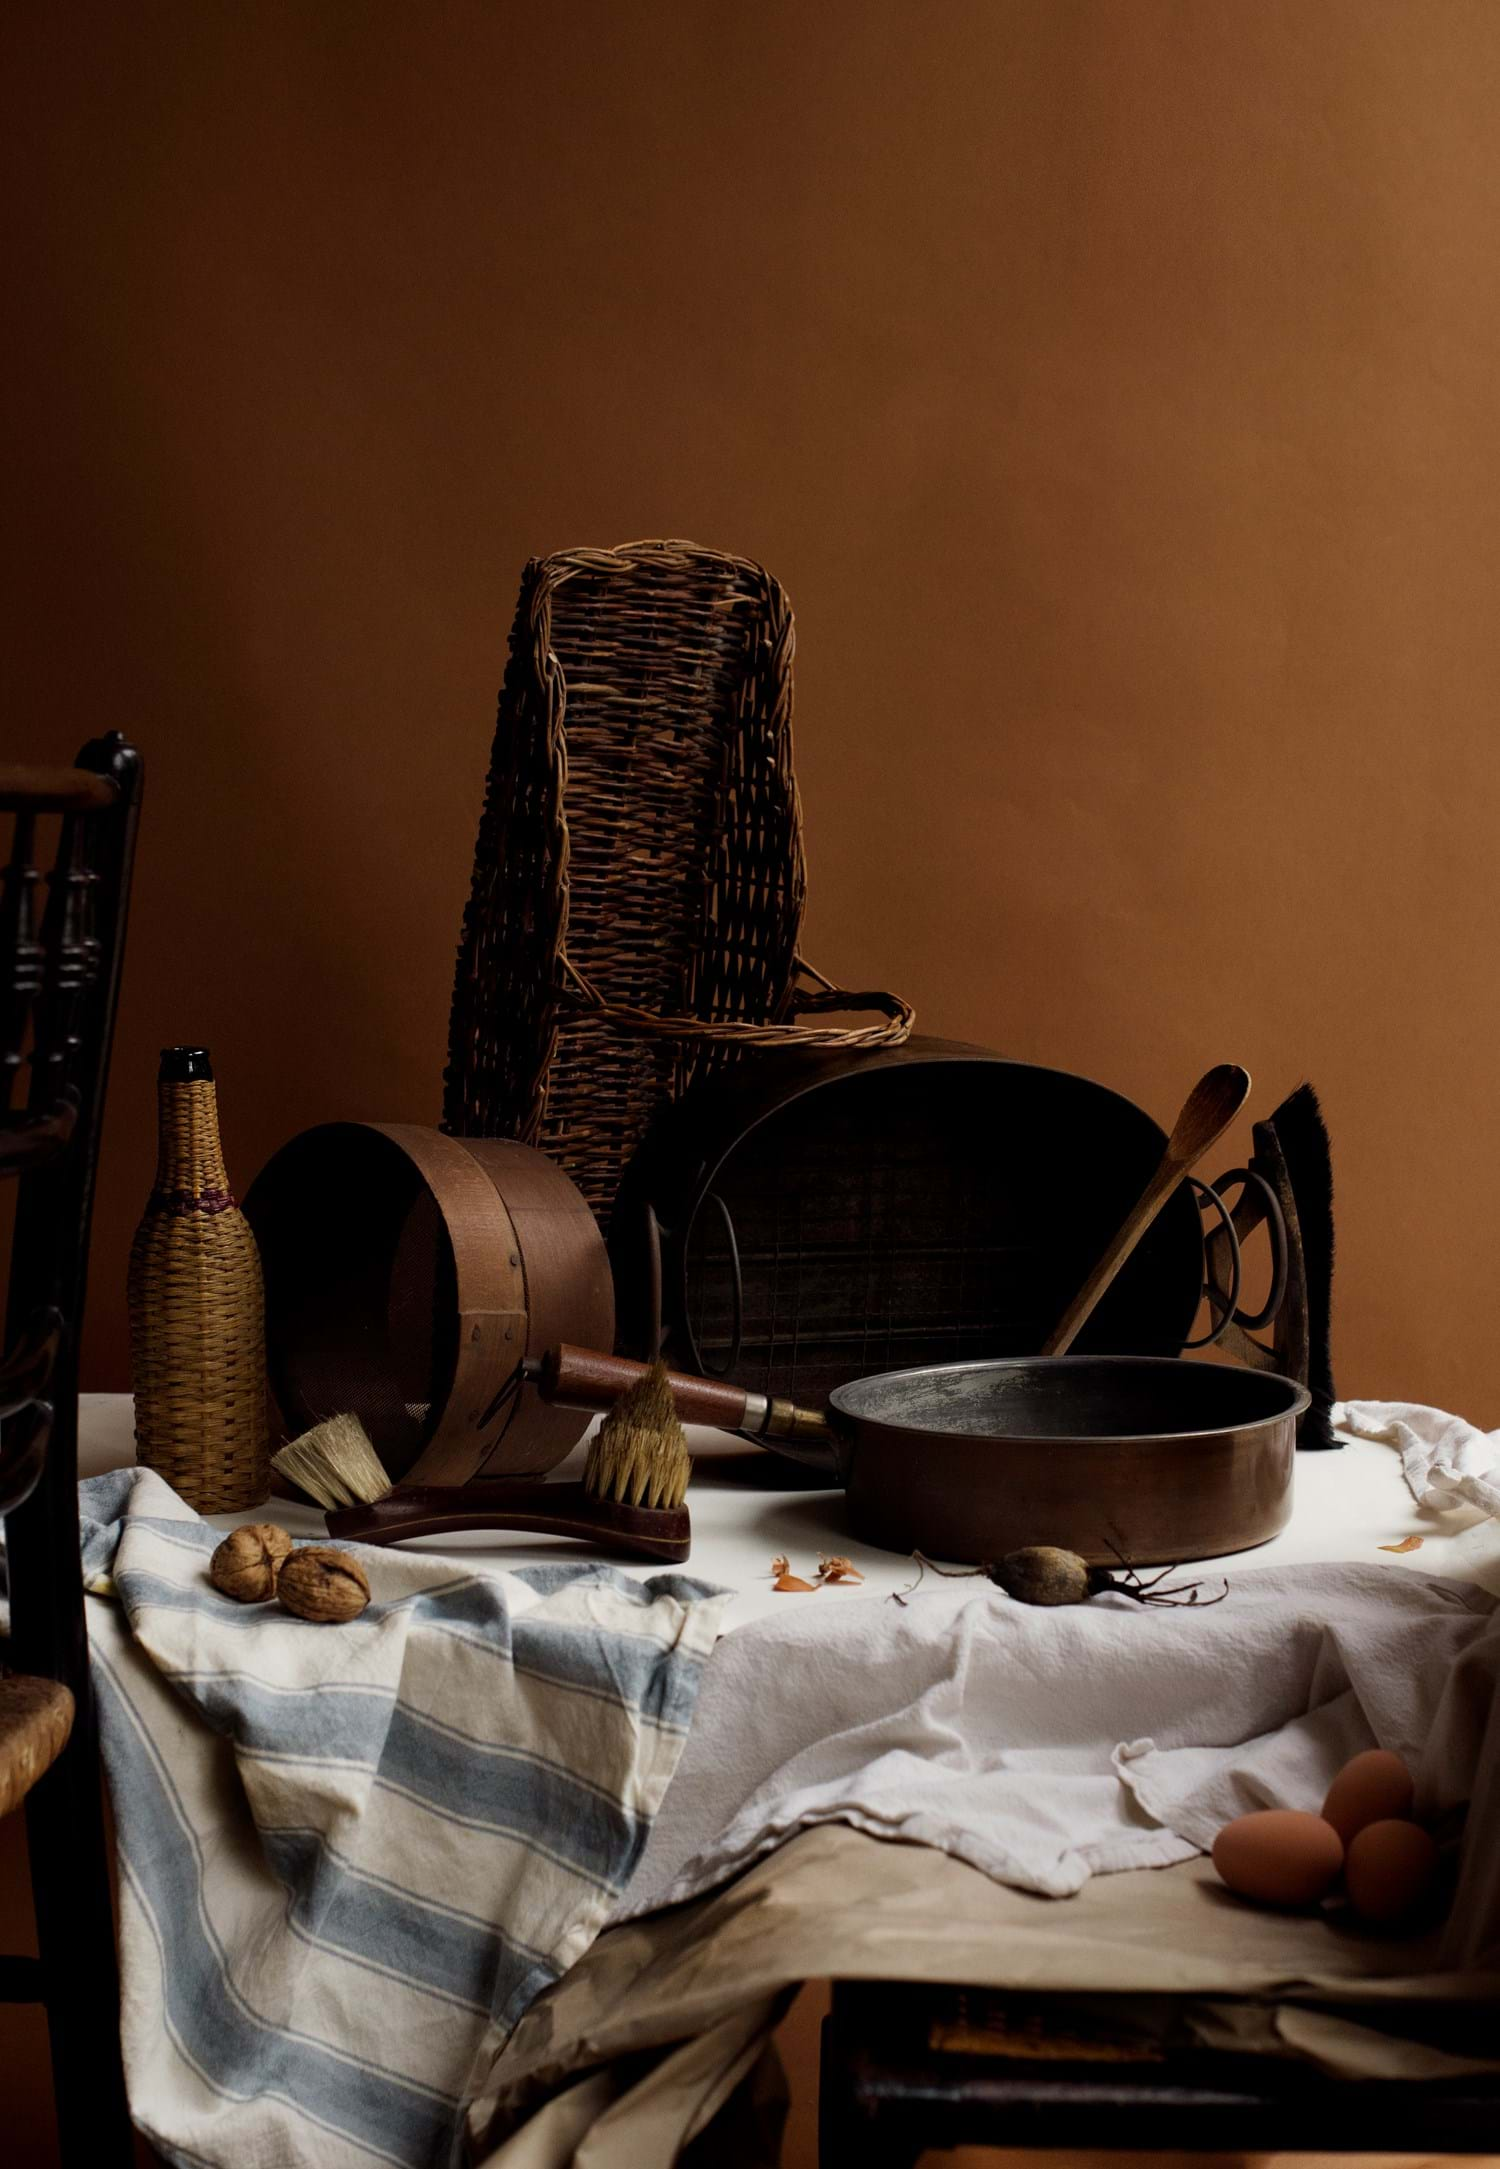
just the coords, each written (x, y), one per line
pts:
(185, 1065)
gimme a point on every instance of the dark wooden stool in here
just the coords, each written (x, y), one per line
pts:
(906, 2067)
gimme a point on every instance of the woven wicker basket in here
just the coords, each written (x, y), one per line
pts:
(197, 1309)
(638, 881)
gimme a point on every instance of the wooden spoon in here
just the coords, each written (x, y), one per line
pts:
(1210, 1107)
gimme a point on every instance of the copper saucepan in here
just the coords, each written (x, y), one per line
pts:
(1152, 1458)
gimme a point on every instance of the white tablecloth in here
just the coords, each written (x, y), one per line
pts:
(1348, 1504)
(643, 1988)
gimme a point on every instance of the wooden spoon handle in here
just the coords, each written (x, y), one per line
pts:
(1207, 1112)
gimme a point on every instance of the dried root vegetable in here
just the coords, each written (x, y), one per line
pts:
(1045, 1574)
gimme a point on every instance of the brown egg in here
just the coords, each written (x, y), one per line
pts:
(1375, 1787)
(1279, 1856)
(1389, 1870)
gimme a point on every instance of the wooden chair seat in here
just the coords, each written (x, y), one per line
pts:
(36, 1718)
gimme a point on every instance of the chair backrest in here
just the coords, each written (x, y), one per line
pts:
(59, 983)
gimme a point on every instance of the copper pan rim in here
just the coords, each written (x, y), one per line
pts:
(1270, 1399)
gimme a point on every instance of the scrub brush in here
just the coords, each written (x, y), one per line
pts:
(630, 1500)
(334, 1464)
(1293, 1160)
(1302, 1135)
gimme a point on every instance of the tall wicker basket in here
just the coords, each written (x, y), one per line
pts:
(638, 880)
(197, 1308)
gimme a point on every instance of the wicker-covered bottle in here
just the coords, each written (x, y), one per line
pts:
(197, 1308)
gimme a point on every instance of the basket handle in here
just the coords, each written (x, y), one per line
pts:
(579, 994)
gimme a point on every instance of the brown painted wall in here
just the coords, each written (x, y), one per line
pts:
(1113, 386)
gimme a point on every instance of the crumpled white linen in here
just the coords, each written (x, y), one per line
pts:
(1046, 1746)
(351, 1857)
(1446, 1460)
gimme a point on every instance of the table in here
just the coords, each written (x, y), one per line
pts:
(647, 1989)
(1347, 1505)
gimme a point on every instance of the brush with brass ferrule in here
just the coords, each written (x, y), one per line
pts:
(631, 1499)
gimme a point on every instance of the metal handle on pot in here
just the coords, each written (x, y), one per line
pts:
(736, 1289)
(1223, 1301)
(587, 1378)
(1258, 1202)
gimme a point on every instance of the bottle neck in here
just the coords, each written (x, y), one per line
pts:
(190, 1171)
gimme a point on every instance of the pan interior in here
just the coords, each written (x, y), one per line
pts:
(1070, 1397)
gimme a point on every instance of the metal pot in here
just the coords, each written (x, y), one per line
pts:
(1149, 1458)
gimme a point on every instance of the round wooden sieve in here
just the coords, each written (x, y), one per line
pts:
(408, 1274)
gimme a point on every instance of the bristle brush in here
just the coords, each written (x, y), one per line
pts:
(1293, 1161)
(334, 1464)
(630, 1500)
(639, 1454)
(1302, 1136)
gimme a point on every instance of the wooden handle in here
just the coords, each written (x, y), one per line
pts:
(55, 790)
(586, 1378)
(1209, 1109)
(639, 1532)
(1207, 1112)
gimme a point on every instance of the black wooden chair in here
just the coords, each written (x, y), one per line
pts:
(59, 980)
(907, 2067)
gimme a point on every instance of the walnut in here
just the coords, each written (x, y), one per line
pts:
(246, 1564)
(320, 1583)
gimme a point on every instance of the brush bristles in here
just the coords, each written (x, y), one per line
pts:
(639, 1454)
(335, 1464)
(1302, 1137)
(637, 1467)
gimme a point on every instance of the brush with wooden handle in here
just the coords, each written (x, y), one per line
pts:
(630, 1500)
(1209, 1109)
(588, 1378)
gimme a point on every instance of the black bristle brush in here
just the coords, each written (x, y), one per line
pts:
(1301, 1135)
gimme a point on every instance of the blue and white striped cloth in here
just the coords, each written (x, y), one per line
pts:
(351, 1856)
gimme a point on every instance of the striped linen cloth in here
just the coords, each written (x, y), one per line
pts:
(351, 1856)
